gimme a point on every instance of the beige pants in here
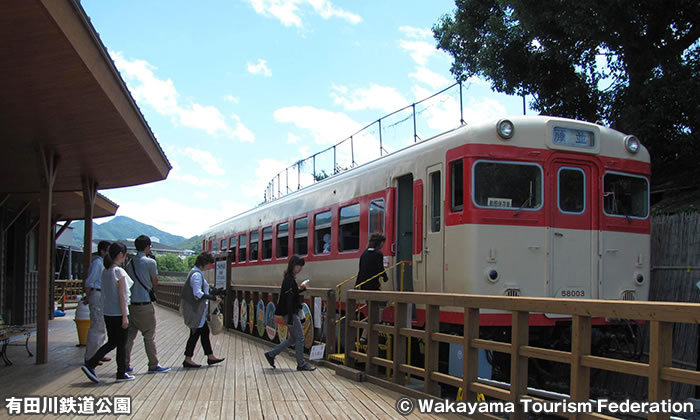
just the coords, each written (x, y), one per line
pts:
(143, 318)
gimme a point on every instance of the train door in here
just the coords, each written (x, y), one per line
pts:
(434, 255)
(403, 245)
(573, 255)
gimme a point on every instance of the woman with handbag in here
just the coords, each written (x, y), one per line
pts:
(288, 306)
(194, 307)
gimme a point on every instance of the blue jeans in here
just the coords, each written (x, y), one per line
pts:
(295, 333)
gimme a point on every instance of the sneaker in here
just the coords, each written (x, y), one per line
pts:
(270, 360)
(90, 373)
(307, 367)
(125, 377)
(129, 369)
(159, 369)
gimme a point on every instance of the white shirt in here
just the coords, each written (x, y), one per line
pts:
(110, 291)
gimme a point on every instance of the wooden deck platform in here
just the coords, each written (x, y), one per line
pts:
(244, 386)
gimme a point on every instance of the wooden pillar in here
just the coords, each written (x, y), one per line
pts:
(330, 323)
(372, 336)
(470, 361)
(518, 363)
(580, 346)
(89, 193)
(350, 331)
(432, 354)
(228, 301)
(400, 341)
(660, 354)
(49, 162)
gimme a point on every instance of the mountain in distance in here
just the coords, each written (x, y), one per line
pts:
(122, 227)
(194, 243)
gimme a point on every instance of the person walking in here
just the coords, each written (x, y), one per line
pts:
(289, 304)
(93, 297)
(142, 314)
(371, 264)
(194, 307)
(116, 285)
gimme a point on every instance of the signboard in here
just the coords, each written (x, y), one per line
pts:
(236, 313)
(317, 351)
(270, 326)
(221, 274)
(571, 137)
(499, 202)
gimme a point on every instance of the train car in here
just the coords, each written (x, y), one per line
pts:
(527, 206)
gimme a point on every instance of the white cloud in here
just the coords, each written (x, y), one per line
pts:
(289, 14)
(432, 79)
(377, 97)
(259, 68)
(442, 112)
(232, 98)
(241, 132)
(292, 139)
(416, 33)
(163, 97)
(266, 170)
(420, 50)
(326, 127)
(201, 195)
(206, 160)
(180, 219)
(175, 174)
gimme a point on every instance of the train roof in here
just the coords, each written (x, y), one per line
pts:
(534, 128)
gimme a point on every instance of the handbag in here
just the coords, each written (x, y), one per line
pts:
(151, 292)
(216, 319)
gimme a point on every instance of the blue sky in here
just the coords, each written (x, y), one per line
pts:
(236, 90)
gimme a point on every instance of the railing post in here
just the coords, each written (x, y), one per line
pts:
(518, 363)
(430, 363)
(372, 336)
(400, 342)
(350, 331)
(580, 346)
(330, 322)
(660, 356)
(470, 362)
(228, 301)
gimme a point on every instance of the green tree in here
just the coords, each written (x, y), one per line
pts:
(632, 64)
(170, 262)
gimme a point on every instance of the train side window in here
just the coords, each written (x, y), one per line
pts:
(232, 246)
(242, 247)
(216, 246)
(625, 195)
(283, 240)
(507, 185)
(435, 185)
(376, 216)
(223, 244)
(349, 228)
(267, 243)
(301, 233)
(254, 245)
(571, 190)
(322, 233)
(457, 185)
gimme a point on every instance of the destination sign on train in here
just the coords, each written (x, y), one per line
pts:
(575, 138)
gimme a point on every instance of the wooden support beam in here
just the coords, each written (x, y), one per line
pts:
(660, 356)
(372, 337)
(63, 228)
(350, 332)
(17, 216)
(518, 362)
(580, 347)
(228, 301)
(49, 161)
(330, 323)
(470, 361)
(432, 354)
(89, 194)
(400, 341)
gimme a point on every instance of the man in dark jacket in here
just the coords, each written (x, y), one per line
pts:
(371, 264)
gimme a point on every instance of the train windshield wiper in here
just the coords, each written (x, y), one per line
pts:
(528, 202)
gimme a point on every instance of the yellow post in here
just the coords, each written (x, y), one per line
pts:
(402, 271)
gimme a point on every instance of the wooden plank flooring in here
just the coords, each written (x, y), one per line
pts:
(243, 387)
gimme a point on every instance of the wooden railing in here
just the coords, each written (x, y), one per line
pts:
(659, 370)
(168, 295)
(67, 291)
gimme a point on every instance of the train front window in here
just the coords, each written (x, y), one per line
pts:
(507, 185)
(282, 240)
(457, 185)
(254, 245)
(625, 195)
(349, 231)
(232, 246)
(572, 190)
(301, 233)
(267, 243)
(322, 233)
(376, 216)
(242, 247)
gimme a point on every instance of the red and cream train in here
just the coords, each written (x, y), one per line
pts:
(528, 206)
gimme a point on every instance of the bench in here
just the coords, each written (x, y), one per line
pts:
(11, 335)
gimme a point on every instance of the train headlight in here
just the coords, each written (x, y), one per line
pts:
(492, 275)
(505, 129)
(632, 144)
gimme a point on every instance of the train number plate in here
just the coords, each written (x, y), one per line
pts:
(571, 293)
